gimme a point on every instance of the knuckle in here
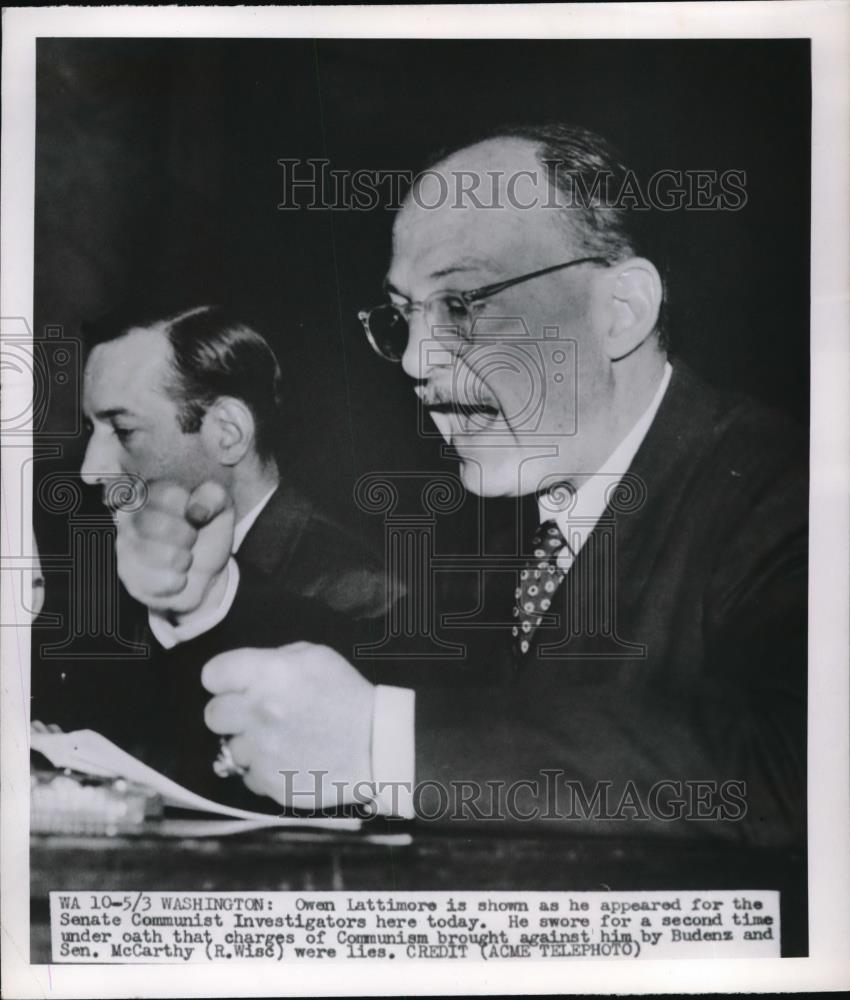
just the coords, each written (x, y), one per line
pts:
(168, 582)
(181, 560)
(151, 524)
(211, 491)
(270, 711)
(170, 496)
(184, 534)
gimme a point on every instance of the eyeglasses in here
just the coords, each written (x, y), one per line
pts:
(449, 314)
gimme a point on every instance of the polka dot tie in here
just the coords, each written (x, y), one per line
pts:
(537, 585)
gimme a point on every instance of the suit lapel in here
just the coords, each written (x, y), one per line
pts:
(610, 572)
(642, 508)
(274, 536)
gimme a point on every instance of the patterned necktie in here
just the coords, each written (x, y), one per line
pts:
(537, 585)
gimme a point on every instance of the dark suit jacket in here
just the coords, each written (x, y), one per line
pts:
(678, 652)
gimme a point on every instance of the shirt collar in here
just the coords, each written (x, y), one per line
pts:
(590, 500)
(244, 524)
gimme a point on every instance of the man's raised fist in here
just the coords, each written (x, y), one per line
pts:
(173, 550)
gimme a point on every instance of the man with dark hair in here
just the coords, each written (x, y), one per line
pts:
(215, 356)
(183, 415)
(194, 362)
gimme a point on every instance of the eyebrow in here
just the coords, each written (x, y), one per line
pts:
(463, 266)
(114, 411)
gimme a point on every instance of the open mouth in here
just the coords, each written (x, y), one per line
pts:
(464, 410)
(454, 418)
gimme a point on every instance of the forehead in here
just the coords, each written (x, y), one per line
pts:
(440, 225)
(134, 369)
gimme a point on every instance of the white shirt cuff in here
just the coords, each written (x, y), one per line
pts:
(393, 751)
(211, 612)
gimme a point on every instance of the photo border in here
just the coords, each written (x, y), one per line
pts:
(827, 24)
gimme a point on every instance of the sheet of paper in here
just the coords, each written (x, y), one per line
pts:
(204, 827)
(91, 753)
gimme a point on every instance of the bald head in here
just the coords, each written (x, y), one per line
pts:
(564, 174)
(479, 215)
(528, 375)
(479, 197)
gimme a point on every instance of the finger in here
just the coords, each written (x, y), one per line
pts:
(215, 543)
(153, 523)
(170, 497)
(124, 523)
(227, 714)
(230, 672)
(52, 727)
(159, 555)
(206, 502)
(37, 726)
(241, 750)
(147, 584)
(301, 646)
(254, 783)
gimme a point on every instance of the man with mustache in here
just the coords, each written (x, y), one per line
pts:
(215, 545)
(651, 633)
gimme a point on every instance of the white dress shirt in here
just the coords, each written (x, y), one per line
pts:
(577, 514)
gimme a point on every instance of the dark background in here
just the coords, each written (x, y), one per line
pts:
(157, 180)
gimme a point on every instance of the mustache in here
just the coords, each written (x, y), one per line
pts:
(462, 409)
(441, 401)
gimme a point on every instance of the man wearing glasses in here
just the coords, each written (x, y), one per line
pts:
(650, 635)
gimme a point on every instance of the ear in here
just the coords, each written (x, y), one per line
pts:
(228, 430)
(635, 292)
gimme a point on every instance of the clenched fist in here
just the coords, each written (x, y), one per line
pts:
(173, 551)
(300, 718)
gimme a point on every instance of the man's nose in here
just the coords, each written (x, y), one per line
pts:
(424, 352)
(98, 464)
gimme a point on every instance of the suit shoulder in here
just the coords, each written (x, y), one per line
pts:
(336, 565)
(756, 444)
(741, 438)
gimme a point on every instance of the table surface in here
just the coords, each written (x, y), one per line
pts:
(289, 860)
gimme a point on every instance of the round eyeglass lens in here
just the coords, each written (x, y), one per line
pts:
(389, 330)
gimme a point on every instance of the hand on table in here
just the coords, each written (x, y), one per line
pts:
(301, 708)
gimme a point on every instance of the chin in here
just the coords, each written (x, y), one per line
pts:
(484, 482)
